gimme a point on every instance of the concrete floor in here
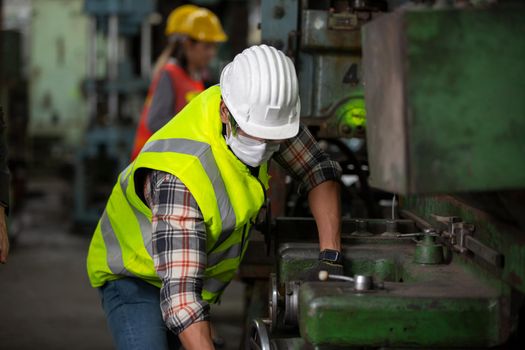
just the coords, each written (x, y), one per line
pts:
(45, 298)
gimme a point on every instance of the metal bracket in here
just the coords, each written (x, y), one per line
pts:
(456, 231)
(460, 236)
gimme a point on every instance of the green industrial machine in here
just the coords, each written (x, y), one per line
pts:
(445, 117)
(423, 295)
(444, 94)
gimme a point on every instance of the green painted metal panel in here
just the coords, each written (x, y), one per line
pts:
(445, 96)
(454, 304)
(331, 316)
(383, 259)
(441, 306)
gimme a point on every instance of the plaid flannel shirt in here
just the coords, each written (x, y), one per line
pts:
(179, 233)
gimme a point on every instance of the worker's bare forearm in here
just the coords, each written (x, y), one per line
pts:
(325, 204)
(197, 337)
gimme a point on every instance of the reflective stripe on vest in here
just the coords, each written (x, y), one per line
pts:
(114, 254)
(145, 224)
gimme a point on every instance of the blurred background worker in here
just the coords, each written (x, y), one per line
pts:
(178, 75)
(174, 34)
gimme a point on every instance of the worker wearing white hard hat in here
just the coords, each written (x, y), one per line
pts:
(178, 221)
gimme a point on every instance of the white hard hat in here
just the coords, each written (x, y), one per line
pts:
(260, 89)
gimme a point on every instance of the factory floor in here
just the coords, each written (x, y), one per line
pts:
(45, 299)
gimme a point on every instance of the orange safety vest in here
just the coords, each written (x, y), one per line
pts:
(185, 89)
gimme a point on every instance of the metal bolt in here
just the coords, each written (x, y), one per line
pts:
(363, 282)
(391, 226)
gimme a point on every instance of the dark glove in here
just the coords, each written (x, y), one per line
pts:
(331, 268)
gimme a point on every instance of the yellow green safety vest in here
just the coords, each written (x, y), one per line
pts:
(192, 148)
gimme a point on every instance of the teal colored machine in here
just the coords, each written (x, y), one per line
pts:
(444, 91)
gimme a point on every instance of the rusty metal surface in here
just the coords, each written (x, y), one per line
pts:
(444, 94)
(500, 236)
(444, 305)
(382, 258)
(453, 304)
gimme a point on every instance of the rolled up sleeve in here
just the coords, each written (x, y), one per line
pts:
(306, 162)
(179, 250)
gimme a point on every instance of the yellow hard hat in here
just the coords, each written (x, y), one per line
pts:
(176, 17)
(203, 25)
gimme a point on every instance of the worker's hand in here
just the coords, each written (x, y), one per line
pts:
(4, 240)
(332, 269)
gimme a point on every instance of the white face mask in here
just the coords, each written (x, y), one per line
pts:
(250, 151)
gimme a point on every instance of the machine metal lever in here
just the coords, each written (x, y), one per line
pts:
(460, 235)
(361, 282)
(426, 232)
(324, 276)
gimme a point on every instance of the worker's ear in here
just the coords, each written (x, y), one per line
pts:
(224, 112)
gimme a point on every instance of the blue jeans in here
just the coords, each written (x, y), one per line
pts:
(132, 309)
